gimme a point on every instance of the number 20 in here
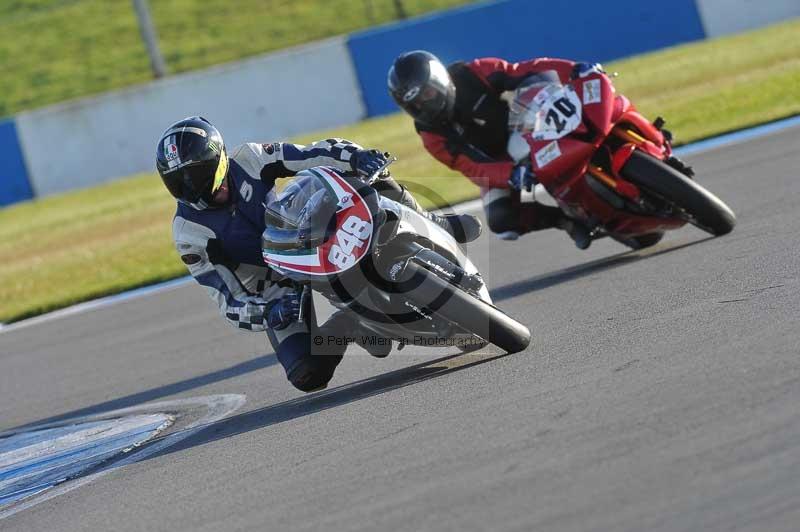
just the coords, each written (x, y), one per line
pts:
(563, 106)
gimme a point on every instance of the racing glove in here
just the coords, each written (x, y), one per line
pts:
(284, 311)
(581, 70)
(367, 162)
(522, 177)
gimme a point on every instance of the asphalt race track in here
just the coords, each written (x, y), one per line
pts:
(660, 392)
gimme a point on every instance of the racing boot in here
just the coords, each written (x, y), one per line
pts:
(463, 228)
(578, 232)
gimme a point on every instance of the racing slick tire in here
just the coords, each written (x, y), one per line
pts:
(704, 209)
(464, 310)
(642, 241)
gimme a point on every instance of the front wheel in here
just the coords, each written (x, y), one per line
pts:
(702, 208)
(463, 310)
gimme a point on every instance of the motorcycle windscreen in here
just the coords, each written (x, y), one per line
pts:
(545, 110)
(319, 226)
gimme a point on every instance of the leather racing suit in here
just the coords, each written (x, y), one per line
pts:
(474, 141)
(221, 247)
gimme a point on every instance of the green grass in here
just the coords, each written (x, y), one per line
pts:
(53, 50)
(79, 245)
(729, 83)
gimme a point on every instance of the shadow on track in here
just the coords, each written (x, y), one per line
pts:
(331, 398)
(540, 282)
(381, 383)
(152, 394)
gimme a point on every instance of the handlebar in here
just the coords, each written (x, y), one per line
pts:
(374, 177)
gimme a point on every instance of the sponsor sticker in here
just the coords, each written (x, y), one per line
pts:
(345, 202)
(170, 150)
(547, 154)
(591, 91)
(246, 191)
(275, 147)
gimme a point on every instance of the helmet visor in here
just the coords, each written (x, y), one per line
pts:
(196, 183)
(426, 102)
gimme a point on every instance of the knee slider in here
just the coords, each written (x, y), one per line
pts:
(309, 375)
(305, 371)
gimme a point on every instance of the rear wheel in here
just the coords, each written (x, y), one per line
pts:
(702, 208)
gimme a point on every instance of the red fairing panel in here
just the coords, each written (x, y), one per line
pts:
(642, 124)
(555, 162)
(599, 103)
(621, 106)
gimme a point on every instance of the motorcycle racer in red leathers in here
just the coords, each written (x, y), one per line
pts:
(462, 118)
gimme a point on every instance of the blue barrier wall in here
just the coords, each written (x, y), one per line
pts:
(14, 184)
(520, 29)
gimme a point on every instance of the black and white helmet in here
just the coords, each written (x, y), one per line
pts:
(191, 159)
(421, 85)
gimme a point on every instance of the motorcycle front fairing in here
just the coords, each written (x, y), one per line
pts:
(320, 225)
(362, 284)
(412, 225)
(372, 295)
(561, 128)
(558, 126)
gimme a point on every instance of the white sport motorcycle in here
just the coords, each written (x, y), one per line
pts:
(404, 276)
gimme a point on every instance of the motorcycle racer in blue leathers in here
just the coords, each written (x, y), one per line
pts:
(218, 225)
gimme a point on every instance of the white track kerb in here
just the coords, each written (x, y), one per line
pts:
(466, 207)
(213, 408)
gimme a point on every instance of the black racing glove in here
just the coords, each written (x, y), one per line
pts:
(522, 178)
(284, 311)
(366, 162)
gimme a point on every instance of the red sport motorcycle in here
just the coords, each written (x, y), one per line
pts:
(605, 164)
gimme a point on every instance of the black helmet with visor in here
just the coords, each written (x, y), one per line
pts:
(421, 85)
(192, 162)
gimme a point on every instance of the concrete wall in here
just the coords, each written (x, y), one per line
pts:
(271, 97)
(721, 17)
(339, 81)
